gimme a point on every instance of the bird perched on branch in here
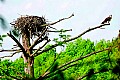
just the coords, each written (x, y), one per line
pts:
(107, 20)
(119, 34)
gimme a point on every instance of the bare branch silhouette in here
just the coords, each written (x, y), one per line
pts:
(57, 21)
(12, 50)
(59, 30)
(40, 47)
(37, 40)
(10, 55)
(18, 43)
(55, 45)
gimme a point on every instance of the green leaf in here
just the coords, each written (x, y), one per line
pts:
(0, 44)
(55, 39)
(1, 38)
(60, 43)
(15, 33)
(62, 30)
(4, 35)
(62, 35)
(68, 35)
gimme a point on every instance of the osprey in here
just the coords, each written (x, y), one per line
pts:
(119, 34)
(107, 20)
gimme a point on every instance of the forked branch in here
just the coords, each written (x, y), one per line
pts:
(49, 31)
(37, 40)
(40, 47)
(59, 30)
(57, 21)
(18, 43)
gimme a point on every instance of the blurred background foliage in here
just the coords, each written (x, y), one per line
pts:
(3, 24)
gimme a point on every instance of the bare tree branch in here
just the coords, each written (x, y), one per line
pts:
(36, 41)
(3, 50)
(57, 21)
(10, 55)
(48, 31)
(18, 43)
(61, 20)
(59, 30)
(40, 47)
(90, 29)
(55, 45)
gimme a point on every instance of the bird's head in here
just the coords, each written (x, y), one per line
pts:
(110, 15)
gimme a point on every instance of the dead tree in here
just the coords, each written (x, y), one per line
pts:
(35, 26)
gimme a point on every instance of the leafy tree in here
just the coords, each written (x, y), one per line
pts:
(86, 66)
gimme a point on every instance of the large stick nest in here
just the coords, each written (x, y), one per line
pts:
(32, 25)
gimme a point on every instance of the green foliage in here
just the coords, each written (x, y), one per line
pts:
(79, 47)
(15, 33)
(54, 67)
(43, 61)
(1, 39)
(59, 75)
(62, 36)
(99, 62)
(9, 68)
(107, 63)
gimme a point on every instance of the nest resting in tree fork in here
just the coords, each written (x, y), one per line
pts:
(30, 25)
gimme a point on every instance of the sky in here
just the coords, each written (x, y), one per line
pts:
(88, 13)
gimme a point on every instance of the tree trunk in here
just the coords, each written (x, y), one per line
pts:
(29, 61)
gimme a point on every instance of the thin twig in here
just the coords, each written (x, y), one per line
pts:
(46, 29)
(3, 50)
(36, 41)
(40, 47)
(57, 21)
(90, 29)
(10, 55)
(59, 30)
